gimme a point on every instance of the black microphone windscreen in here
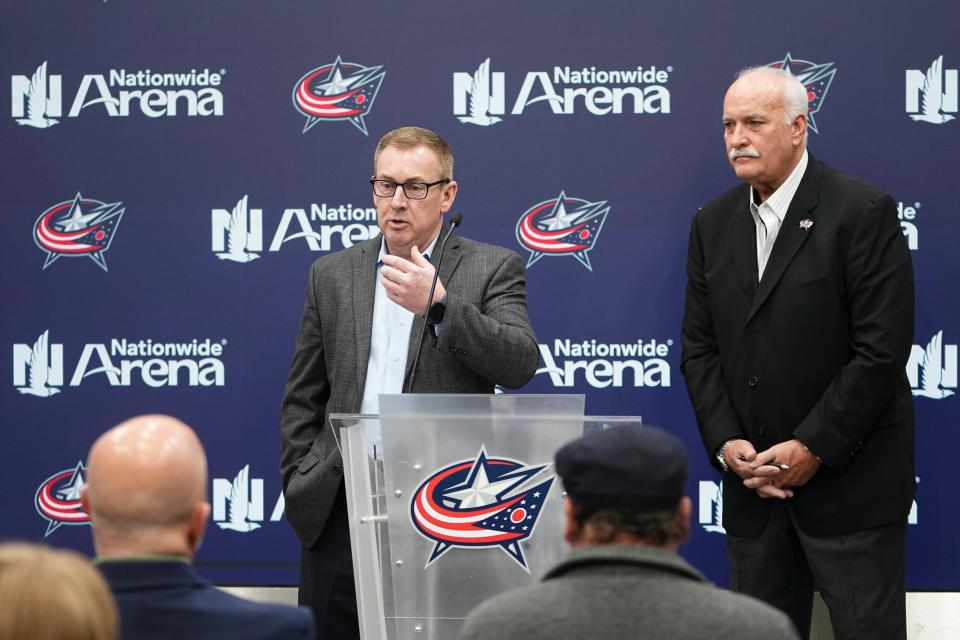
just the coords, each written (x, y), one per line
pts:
(456, 219)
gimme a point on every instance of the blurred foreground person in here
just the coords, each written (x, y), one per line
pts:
(52, 594)
(146, 494)
(626, 515)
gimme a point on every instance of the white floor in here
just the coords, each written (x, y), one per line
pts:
(930, 616)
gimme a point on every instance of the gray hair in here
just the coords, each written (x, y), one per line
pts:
(795, 102)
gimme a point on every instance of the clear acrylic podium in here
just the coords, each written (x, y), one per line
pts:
(453, 499)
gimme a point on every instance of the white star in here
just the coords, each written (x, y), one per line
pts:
(77, 220)
(73, 491)
(337, 84)
(483, 492)
(561, 219)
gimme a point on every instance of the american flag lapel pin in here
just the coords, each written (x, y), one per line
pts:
(806, 223)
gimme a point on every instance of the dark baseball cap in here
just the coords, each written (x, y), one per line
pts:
(635, 466)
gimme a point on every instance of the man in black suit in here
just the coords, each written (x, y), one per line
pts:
(146, 495)
(797, 327)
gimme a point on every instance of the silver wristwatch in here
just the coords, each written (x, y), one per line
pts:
(720, 458)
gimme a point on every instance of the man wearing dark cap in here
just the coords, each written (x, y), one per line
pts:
(626, 515)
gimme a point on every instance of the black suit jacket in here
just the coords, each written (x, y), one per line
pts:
(166, 599)
(816, 350)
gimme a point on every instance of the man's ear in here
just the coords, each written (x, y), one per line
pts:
(198, 525)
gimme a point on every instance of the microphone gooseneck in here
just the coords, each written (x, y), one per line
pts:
(455, 221)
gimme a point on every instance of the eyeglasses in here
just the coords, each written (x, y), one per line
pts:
(413, 190)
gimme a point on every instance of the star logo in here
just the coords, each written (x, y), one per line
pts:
(481, 502)
(338, 91)
(815, 77)
(77, 228)
(562, 226)
(58, 499)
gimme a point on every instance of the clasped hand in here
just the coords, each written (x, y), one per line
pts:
(795, 466)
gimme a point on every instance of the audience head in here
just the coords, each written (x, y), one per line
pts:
(50, 594)
(146, 489)
(625, 485)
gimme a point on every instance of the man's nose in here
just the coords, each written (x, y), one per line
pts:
(399, 198)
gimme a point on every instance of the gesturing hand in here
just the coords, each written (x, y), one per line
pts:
(407, 282)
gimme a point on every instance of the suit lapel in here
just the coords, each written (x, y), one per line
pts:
(743, 243)
(363, 283)
(451, 259)
(791, 235)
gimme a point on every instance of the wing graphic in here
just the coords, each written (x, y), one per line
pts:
(933, 89)
(39, 365)
(239, 497)
(932, 364)
(480, 90)
(237, 233)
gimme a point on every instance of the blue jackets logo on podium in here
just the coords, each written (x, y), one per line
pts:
(338, 91)
(58, 499)
(479, 503)
(562, 226)
(931, 95)
(237, 233)
(479, 97)
(77, 228)
(606, 364)
(37, 100)
(238, 502)
(932, 370)
(816, 77)
(38, 368)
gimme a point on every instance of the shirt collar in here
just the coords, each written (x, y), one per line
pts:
(426, 254)
(779, 201)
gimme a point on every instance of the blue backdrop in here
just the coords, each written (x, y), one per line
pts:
(170, 171)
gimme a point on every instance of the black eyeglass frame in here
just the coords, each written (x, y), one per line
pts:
(403, 185)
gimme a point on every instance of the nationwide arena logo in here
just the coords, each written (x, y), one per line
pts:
(710, 507)
(562, 226)
(642, 363)
(82, 227)
(38, 368)
(932, 94)
(908, 223)
(480, 503)
(932, 369)
(479, 97)
(238, 502)
(37, 100)
(338, 91)
(58, 499)
(237, 233)
(815, 77)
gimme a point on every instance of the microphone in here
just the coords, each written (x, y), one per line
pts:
(455, 221)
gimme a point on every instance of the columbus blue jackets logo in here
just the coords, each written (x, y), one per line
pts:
(815, 77)
(58, 499)
(481, 503)
(338, 91)
(562, 226)
(82, 227)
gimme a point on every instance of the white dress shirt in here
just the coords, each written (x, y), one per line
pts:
(389, 342)
(768, 216)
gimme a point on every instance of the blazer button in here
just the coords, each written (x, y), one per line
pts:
(753, 381)
(337, 470)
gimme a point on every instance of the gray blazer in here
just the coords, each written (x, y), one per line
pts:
(614, 592)
(486, 340)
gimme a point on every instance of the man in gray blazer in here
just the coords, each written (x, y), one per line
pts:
(626, 515)
(364, 312)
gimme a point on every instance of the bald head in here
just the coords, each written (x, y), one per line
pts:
(146, 488)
